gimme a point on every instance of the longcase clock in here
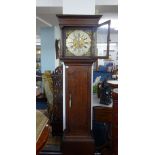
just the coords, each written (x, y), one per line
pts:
(78, 54)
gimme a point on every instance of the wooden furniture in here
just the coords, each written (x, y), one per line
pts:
(48, 89)
(79, 38)
(102, 114)
(78, 51)
(115, 122)
(109, 114)
(53, 88)
(42, 139)
(42, 131)
(113, 83)
(57, 113)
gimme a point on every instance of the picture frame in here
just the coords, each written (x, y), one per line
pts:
(57, 48)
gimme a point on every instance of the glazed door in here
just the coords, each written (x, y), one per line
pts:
(103, 39)
(78, 114)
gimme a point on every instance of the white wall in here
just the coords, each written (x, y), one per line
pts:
(106, 2)
(47, 49)
(60, 2)
(48, 3)
(79, 7)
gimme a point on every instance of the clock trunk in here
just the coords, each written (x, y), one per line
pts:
(77, 136)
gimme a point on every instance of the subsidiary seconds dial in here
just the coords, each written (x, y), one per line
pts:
(78, 43)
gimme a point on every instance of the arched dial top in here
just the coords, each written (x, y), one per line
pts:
(78, 42)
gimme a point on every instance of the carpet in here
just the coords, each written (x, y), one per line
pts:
(41, 105)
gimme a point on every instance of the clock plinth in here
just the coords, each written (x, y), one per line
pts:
(78, 145)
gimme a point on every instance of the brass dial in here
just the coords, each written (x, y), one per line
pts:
(78, 43)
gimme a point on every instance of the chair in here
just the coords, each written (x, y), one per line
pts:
(57, 119)
(48, 90)
(53, 88)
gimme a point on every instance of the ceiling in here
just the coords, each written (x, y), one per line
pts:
(46, 15)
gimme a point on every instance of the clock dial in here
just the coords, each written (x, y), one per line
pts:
(78, 43)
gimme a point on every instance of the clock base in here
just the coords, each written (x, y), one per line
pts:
(78, 145)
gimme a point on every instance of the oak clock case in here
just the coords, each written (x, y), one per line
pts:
(78, 55)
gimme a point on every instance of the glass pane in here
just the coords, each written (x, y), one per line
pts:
(102, 34)
(102, 49)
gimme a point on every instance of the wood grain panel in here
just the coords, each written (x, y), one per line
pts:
(79, 112)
